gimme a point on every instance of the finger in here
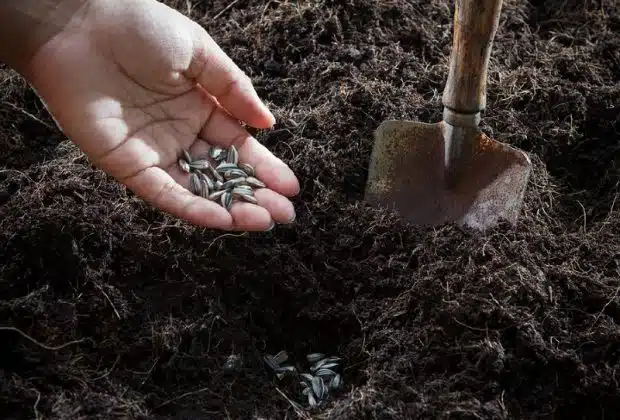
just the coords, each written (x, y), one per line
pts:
(222, 78)
(224, 131)
(161, 190)
(279, 207)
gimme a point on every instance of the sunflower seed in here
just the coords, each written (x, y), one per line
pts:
(216, 174)
(306, 391)
(325, 372)
(281, 357)
(285, 369)
(244, 195)
(184, 165)
(307, 377)
(318, 387)
(231, 183)
(214, 196)
(311, 400)
(205, 178)
(204, 189)
(254, 182)
(271, 362)
(217, 153)
(325, 363)
(248, 169)
(186, 156)
(235, 173)
(227, 200)
(225, 166)
(194, 184)
(233, 155)
(200, 164)
(336, 382)
(315, 357)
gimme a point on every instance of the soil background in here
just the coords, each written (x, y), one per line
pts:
(431, 323)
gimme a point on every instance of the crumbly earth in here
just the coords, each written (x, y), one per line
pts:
(431, 323)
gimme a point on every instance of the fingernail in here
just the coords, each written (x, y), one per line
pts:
(273, 224)
(292, 219)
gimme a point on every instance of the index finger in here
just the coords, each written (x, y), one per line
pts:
(215, 71)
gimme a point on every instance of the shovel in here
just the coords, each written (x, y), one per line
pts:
(450, 171)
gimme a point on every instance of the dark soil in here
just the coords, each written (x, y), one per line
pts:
(432, 323)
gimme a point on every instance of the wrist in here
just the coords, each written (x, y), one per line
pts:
(26, 25)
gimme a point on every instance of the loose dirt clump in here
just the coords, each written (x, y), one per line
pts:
(430, 323)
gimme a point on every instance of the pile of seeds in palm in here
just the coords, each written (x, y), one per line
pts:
(220, 177)
(318, 384)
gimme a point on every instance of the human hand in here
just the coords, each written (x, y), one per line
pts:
(135, 83)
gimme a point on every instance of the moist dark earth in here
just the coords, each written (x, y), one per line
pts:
(136, 312)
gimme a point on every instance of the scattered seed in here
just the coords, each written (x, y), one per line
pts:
(311, 400)
(318, 387)
(271, 362)
(336, 382)
(315, 357)
(325, 372)
(186, 156)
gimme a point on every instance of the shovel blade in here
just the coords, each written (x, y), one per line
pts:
(408, 173)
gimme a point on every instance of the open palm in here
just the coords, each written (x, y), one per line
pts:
(133, 86)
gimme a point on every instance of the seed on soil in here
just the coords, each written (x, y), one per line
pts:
(315, 357)
(220, 177)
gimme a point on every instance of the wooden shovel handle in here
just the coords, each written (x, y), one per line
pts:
(475, 24)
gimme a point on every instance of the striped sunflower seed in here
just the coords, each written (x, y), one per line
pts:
(315, 357)
(231, 183)
(204, 189)
(200, 164)
(336, 382)
(235, 173)
(186, 156)
(225, 166)
(226, 200)
(205, 178)
(233, 155)
(318, 387)
(255, 182)
(248, 169)
(184, 165)
(216, 195)
(194, 184)
(244, 195)
(217, 153)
